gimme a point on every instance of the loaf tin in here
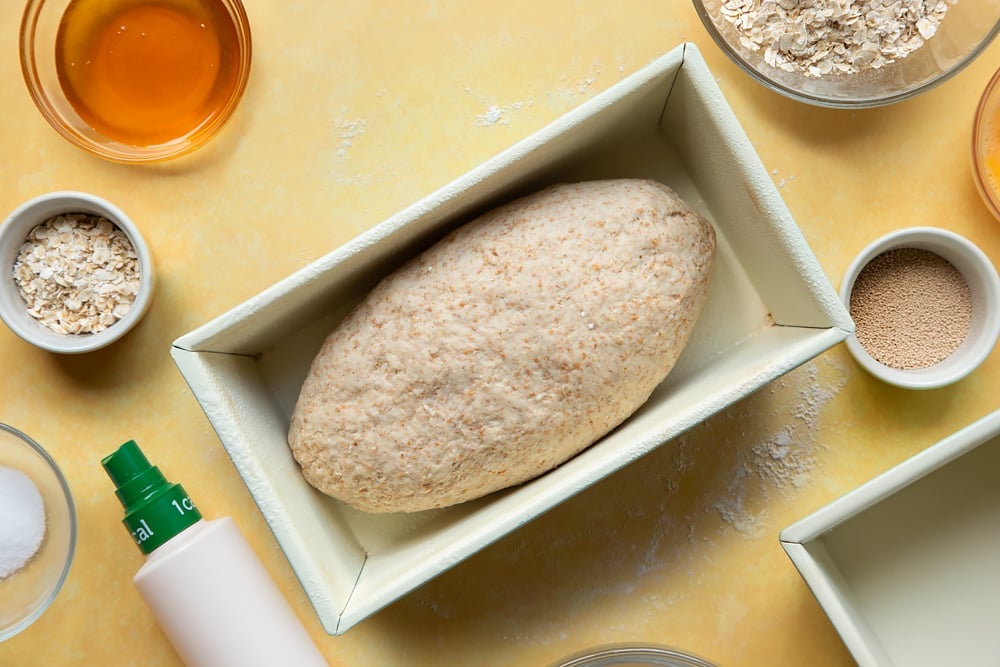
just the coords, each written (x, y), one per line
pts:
(906, 565)
(770, 309)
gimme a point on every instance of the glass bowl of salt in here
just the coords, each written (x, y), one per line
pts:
(37, 531)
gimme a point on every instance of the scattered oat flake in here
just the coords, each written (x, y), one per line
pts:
(77, 273)
(818, 38)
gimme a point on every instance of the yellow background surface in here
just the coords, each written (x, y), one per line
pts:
(357, 109)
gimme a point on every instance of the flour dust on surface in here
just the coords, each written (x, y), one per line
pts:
(776, 453)
(662, 528)
(566, 94)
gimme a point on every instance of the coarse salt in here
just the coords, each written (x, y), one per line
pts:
(22, 520)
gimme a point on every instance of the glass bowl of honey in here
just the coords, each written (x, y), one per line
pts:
(986, 145)
(136, 80)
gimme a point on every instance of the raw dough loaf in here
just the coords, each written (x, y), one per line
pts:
(506, 348)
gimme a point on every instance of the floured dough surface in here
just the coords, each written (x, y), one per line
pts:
(506, 348)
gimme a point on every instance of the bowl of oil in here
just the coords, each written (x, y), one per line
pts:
(136, 80)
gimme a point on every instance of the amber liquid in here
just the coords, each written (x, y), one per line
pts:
(146, 72)
(991, 150)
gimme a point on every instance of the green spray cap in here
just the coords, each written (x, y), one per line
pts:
(155, 509)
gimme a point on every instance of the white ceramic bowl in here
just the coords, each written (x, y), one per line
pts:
(13, 310)
(28, 591)
(984, 287)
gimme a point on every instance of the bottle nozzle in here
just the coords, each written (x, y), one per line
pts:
(155, 509)
(126, 463)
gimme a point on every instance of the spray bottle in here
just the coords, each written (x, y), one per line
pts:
(204, 583)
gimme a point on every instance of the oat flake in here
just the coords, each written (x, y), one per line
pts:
(77, 273)
(823, 37)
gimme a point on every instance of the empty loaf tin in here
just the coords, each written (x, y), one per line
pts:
(905, 565)
(770, 309)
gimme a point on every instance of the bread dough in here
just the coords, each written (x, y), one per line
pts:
(506, 348)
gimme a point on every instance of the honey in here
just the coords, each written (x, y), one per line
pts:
(146, 72)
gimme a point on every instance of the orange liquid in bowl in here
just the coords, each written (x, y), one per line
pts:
(986, 145)
(146, 72)
(987, 149)
(991, 152)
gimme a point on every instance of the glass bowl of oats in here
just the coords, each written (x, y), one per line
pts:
(851, 53)
(77, 273)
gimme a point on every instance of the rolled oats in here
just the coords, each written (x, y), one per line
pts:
(822, 37)
(77, 273)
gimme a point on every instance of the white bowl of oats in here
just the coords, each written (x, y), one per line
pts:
(77, 274)
(851, 53)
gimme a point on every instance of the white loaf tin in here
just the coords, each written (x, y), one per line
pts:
(770, 309)
(907, 566)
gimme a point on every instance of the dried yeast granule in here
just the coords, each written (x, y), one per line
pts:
(912, 308)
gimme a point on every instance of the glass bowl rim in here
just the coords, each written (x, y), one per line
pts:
(194, 140)
(989, 195)
(634, 651)
(35, 613)
(839, 103)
